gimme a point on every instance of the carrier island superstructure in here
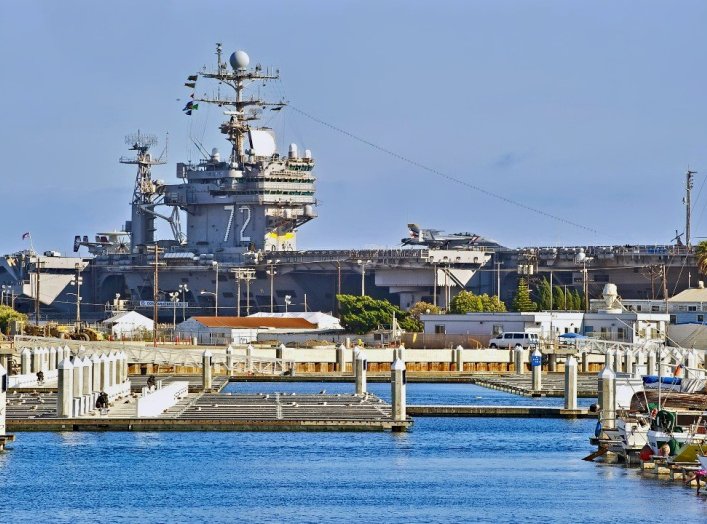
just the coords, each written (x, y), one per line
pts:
(239, 252)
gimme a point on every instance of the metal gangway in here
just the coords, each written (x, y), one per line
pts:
(243, 361)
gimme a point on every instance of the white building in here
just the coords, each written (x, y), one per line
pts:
(239, 330)
(321, 320)
(128, 324)
(624, 326)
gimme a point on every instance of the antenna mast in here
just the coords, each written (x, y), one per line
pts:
(688, 204)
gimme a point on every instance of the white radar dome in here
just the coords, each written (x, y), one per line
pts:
(239, 60)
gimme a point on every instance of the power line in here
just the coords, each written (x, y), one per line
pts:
(445, 175)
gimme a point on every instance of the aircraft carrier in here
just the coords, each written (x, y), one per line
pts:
(238, 253)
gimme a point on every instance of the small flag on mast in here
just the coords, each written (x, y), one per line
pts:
(192, 78)
(26, 236)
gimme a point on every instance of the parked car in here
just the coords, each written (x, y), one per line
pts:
(514, 339)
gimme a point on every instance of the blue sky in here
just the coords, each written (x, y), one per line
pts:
(590, 111)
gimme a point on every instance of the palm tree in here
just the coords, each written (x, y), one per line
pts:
(701, 254)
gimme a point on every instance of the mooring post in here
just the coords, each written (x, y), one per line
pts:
(651, 362)
(87, 384)
(536, 363)
(26, 362)
(354, 356)
(52, 358)
(249, 357)
(398, 381)
(206, 377)
(78, 377)
(629, 361)
(609, 359)
(65, 388)
(361, 368)
(96, 372)
(618, 361)
(35, 360)
(105, 373)
(607, 397)
(459, 358)
(552, 362)
(229, 360)
(3, 400)
(571, 383)
(341, 358)
(518, 358)
(585, 361)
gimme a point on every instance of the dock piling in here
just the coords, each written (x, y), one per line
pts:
(206, 375)
(65, 389)
(518, 360)
(398, 381)
(537, 367)
(607, 397)
(26, 361)
(341, 358)
(361, 366)
(571, 383)
(459, 358)
(651, 363)
(229, 360)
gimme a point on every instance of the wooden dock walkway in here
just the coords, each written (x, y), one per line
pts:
(497, 411)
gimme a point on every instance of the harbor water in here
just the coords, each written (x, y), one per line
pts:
(444, 470)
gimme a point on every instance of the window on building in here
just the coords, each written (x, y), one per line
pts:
(700, 318)
(440, 329)
(655, 309)
(673, 319)
(692, 308)
(639, 308)
(621, 333)
(588, 330)
(604, 332)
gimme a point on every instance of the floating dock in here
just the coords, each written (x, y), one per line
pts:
(498, 411)
(36, 411)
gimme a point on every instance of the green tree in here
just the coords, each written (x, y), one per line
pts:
(543, 295)
(492, 304)
(422, 308)
(7, 315)
(522, 300)
(701, 255)
(361, 315)
(465, 302)
(558, 298)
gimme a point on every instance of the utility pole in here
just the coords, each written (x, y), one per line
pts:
(155, 293)
(434, 290)
(38, 271)
(688, 204)
(498, 280)
(585, 287)
(78, 280)
(665, 288)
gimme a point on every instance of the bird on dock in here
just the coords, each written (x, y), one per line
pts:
(322, 392)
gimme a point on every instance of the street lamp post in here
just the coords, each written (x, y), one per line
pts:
(272, 274)
(363, 264)
(174, 297)
(183, 290)
(216, 300)
(77, 281)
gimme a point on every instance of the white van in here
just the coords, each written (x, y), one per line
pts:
(514, 339)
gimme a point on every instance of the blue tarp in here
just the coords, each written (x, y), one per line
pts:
(653, 379)
(572, 335)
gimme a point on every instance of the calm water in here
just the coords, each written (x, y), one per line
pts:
(485, 470)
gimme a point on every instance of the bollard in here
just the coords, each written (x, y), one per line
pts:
(571, 383)
(585, 362)
(341, 358)
(52, 358)
(609, 359)
(618, 361)
(651, 362)
(26, 362)
(361, 366)
(229, 360)
(398, 380)
(629, 360)
(105, 380)
(607, 398)
(536, 364)
(641, 358)
(459, 358)
(3, 400)
(65, 396)
(206, 377)
(354, 356)
(691, 371)
(95, 372)
(126, 366)
(552, 362)
(59, 355)
(87, 384)
(78, 377)
(519, 363)
(280, 351)
(35, 360)
(44, 360)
